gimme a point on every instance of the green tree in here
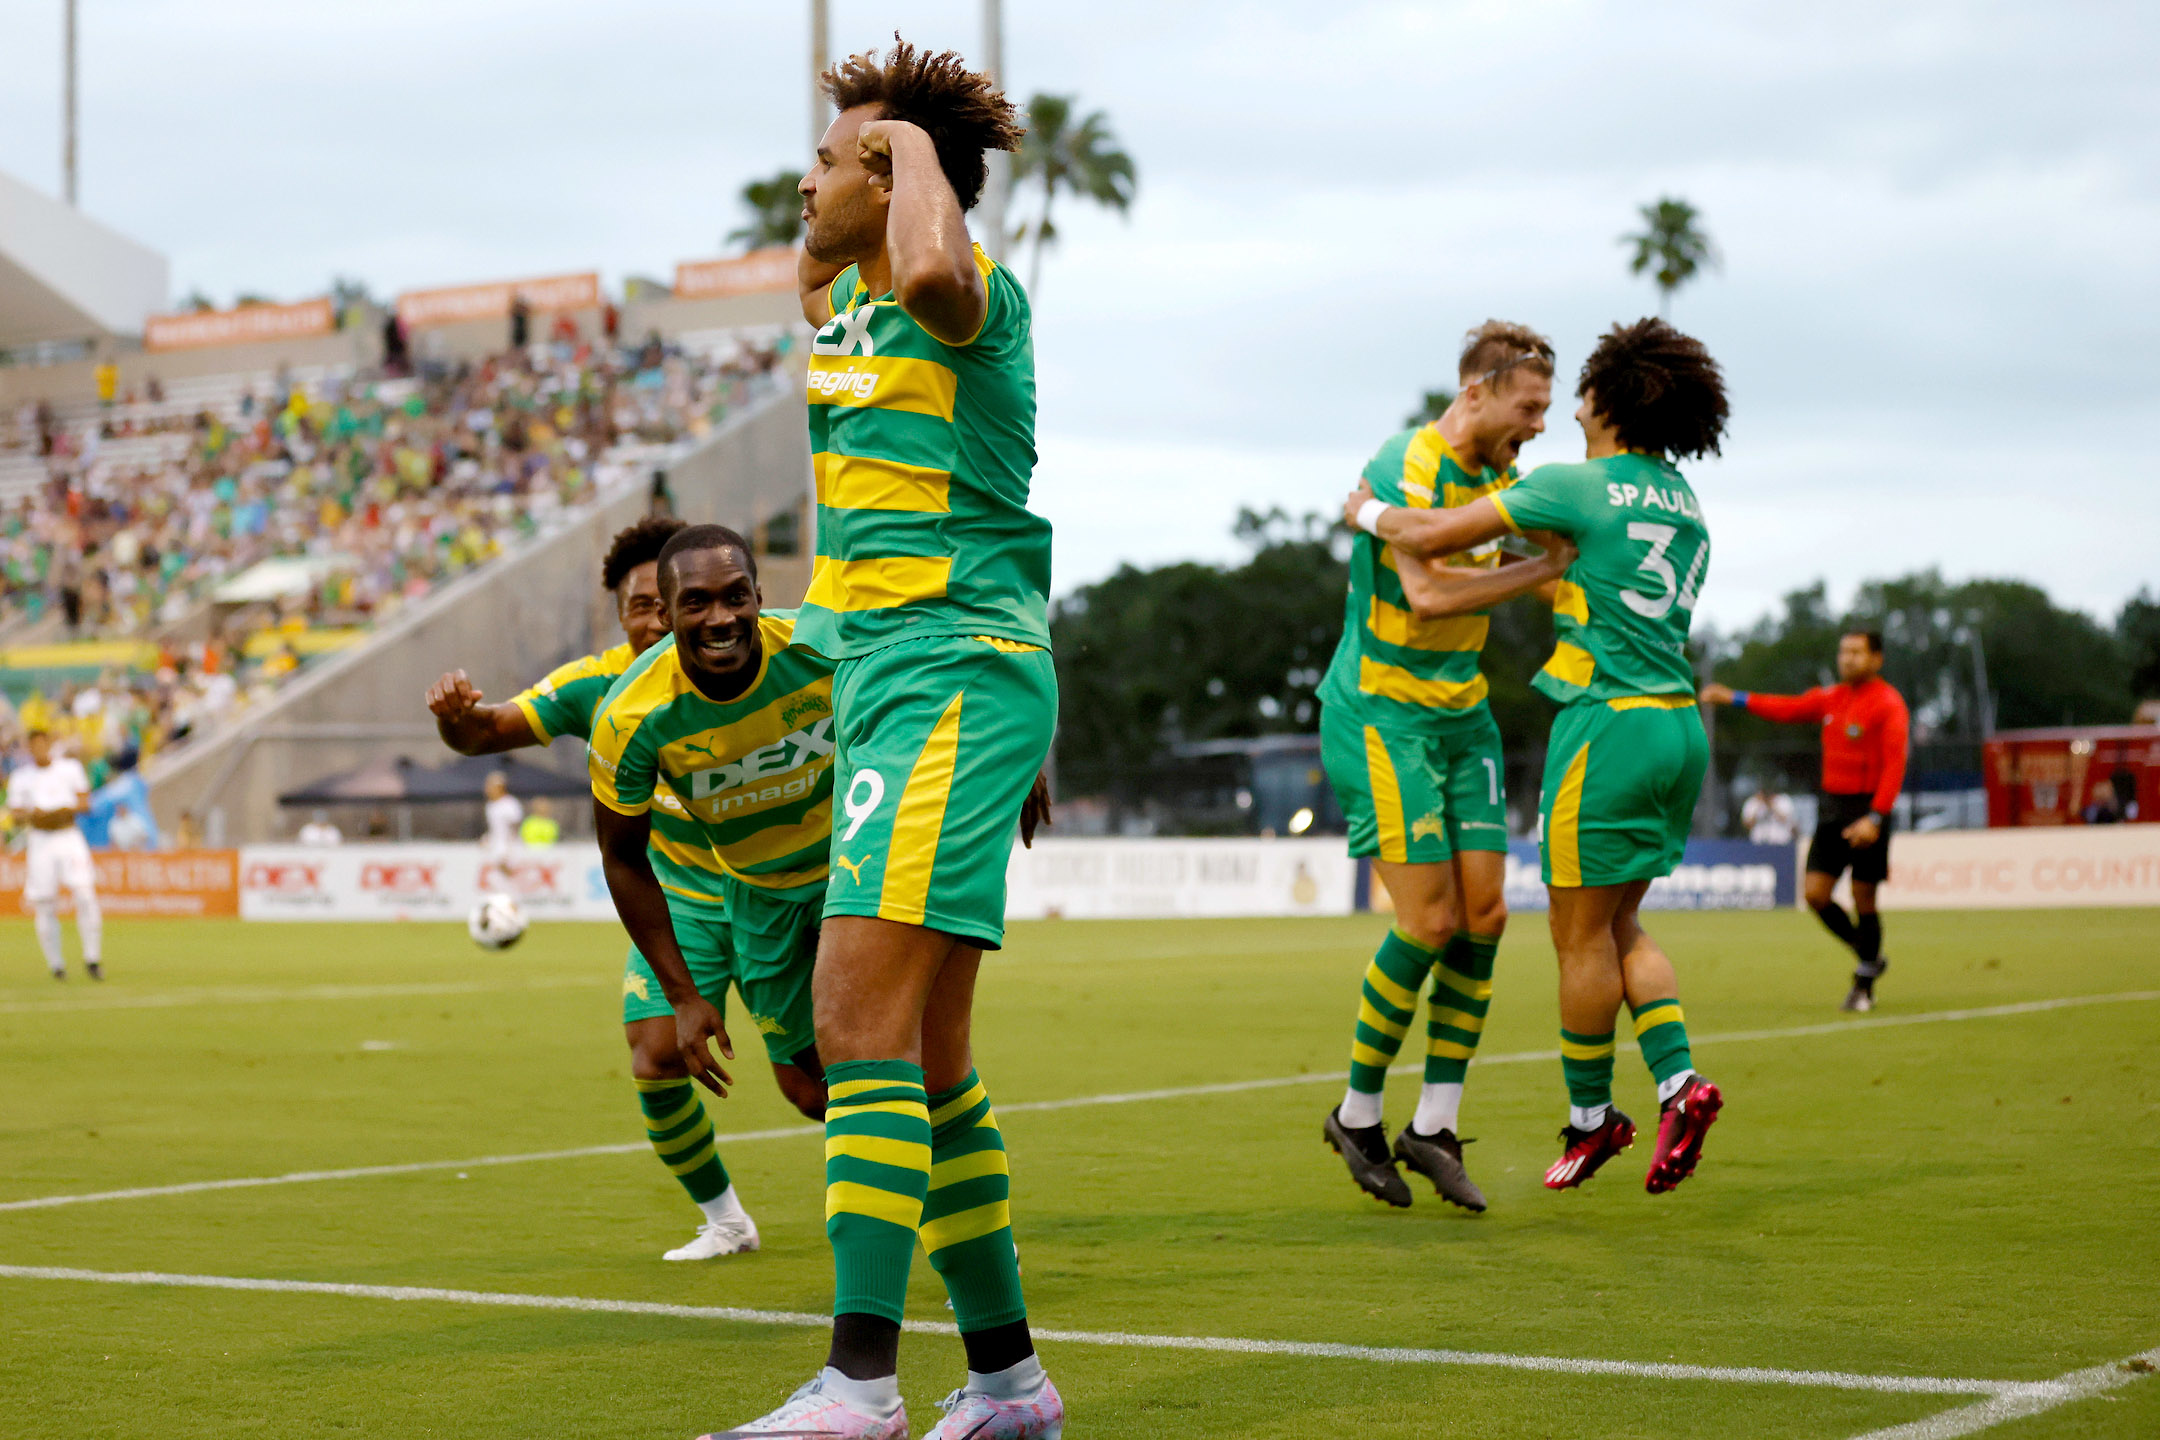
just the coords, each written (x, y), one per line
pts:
(774, 208)
(2138, 630)
(1081, 159)
(1672, 245)
(1431, 407)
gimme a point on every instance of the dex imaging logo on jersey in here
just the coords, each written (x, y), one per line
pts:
(847, 333)
(833, 384)
(757, 778)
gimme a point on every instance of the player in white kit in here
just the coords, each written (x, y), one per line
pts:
(48, 795)
(505, 812)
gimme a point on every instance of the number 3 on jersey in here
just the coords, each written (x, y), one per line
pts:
(1659, 568)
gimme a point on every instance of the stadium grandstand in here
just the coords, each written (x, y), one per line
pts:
(181, 540)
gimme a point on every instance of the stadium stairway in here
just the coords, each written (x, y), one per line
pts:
(506, 624)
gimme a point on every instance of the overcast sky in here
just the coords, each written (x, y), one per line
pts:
(1939, 310)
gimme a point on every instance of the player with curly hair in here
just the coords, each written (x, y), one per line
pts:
(1626, 759)
(565, 703)
(931, 594)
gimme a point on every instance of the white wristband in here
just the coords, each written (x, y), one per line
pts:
(1368, 516)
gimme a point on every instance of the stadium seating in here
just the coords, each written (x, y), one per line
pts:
(174, 555)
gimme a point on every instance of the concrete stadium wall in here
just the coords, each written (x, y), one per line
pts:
(77, 379)
(505, 625)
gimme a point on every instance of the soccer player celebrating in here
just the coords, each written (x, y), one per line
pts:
(1414, 756)
(49, 795)
(1864, 726)
(1626, 759)
(930, 593)
(727, 733)
(692, 878)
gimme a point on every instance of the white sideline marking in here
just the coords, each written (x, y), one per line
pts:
(1126, 1097)
(2025, 1400)
(1560, 1364)
(263, 995)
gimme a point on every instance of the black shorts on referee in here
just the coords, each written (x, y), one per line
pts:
(1829, 853)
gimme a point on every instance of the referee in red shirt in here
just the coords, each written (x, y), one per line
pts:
(1864, 727)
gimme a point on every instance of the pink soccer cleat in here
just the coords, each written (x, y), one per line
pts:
(969, 1416)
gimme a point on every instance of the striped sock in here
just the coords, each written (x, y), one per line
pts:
(877, 1171)
(967, 1219)
(682, 1136)
(1459, 1003)
(1386, 1006)
(1661, 1029)
(1586, 1061)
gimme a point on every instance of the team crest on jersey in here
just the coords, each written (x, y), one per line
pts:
(804, 706)
(1427, 827)
(767, 1025)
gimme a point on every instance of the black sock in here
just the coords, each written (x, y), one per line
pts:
(998, 1348)
(1838, 923)
(1870, 934)
(865, 1347)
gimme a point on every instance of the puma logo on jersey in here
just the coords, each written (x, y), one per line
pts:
(803, 747)
(853, 867)
(861, 384)
(847, 333)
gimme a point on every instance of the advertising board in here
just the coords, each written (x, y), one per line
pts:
(197, 329)
(2023, 868)
(1154, 879)
(416, 882)
(148, 882)
(756, 273)
(420, 309)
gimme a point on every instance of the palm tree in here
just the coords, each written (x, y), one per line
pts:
(1082, 158)
(1672, 241)
(775, 207)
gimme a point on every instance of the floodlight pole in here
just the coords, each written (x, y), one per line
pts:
(990, 230)
(820, 49)
(67, 102)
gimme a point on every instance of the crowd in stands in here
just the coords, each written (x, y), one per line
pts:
(234, 546)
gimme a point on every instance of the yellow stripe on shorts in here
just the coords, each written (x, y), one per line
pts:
(1386, 799)
(919, 822)
(1651, 702)
(1563, 833)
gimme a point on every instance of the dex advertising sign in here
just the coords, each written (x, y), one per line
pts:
(417, 882)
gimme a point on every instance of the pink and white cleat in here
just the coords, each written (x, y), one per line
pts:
(814, 1413)
(971, 1416)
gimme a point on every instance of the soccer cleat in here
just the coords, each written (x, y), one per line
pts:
(1862, 995)
(810, 1413)
(1683, 1121)
(716, 1238)
(97, 972)
(60, 975)
(1365, 1152)
(1587, 1150)
(1439, 1159)
(1860, 999)
(969, 1416)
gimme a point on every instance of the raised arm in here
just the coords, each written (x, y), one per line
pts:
(471, 728)
(1435, 591)
(642, 906)
(813, 284)
(926, 237)
(1427, 534)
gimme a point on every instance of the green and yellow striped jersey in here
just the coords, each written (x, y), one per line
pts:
(564, 702)
(1392, 669)
(1622, 615)
(740, 787)
(923, 454)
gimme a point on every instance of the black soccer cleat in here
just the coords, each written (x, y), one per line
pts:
(1365, 1152)
(1862, 995)
(1439, 1159)
(97, 971)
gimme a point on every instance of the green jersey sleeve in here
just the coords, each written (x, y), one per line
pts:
(563, 703)
(1548, 498)
(1384, 472)
(623, 756)
(1005, 312)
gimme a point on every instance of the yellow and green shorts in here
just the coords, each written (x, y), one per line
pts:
(765, 944)
(937, 742)
(1417, 799)
(1621, 779)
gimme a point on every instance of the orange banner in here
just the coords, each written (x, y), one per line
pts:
(149, 882)
(756, 273)
(201, 328)
(422, 308)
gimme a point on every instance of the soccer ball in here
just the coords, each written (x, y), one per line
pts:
(495, 923)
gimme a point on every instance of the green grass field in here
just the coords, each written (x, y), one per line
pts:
(1968, 1198)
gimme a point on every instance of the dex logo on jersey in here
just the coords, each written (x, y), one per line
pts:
(757, 774)
(847, 333)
